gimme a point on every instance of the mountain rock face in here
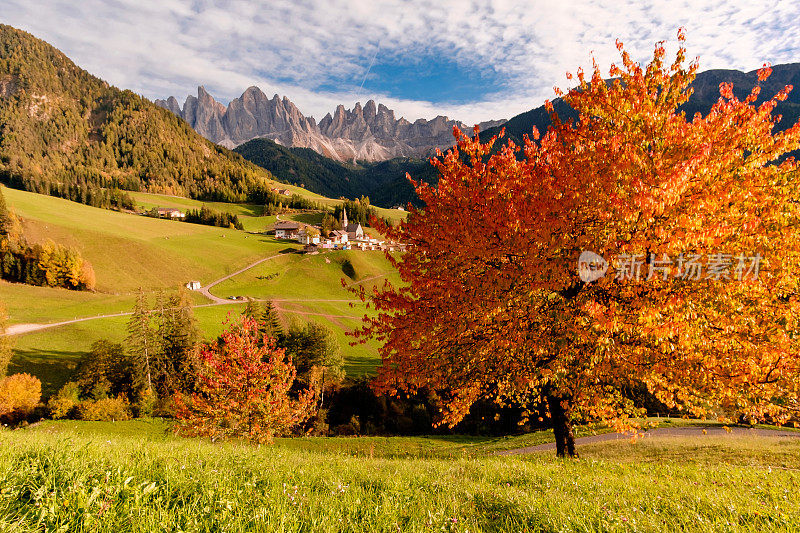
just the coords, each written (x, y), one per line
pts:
(368, 133)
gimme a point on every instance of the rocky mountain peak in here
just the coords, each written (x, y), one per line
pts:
(369, 133)
(370, 110)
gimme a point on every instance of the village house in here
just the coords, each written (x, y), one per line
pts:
(166, 212)
(337, 236)
(193, 285)
(285, 229)
(308, 235)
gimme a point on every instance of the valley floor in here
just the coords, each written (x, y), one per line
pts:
(133, 476)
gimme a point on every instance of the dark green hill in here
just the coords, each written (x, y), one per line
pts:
(384, 182)
(301, 166)
(67, 133)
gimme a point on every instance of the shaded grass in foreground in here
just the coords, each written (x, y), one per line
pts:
(55, 477)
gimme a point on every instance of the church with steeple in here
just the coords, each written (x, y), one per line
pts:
(354, 230)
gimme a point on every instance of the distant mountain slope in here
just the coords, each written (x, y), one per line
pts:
(67, 133)
(384, 181)
(706, 93)
(371, 133)
(302, 166)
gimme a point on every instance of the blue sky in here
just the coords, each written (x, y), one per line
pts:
(468, 60)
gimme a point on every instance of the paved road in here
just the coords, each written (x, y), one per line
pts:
(685, 431)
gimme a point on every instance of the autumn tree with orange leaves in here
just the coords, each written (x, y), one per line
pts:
(244, 386)
(696, 218)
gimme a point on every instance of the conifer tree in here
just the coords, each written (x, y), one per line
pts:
(142, 344)
(5, 216)
(266, 316)
(178, 334)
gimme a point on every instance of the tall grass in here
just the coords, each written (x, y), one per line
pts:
(112, 481)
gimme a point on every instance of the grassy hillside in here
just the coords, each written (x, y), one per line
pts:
(68, 133)
(129, 251)
(309, 276)
(250, 215)
(309, 287)
(51, 354)
(131, 476)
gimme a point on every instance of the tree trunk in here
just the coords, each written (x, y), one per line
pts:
(560, 410)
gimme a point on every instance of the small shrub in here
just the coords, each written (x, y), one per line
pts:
(65, 403)
(105, 410)
(146, 403)
(19, 396)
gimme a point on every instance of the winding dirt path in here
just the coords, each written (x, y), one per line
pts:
(685, 431)
(205, 291)
(21, 329)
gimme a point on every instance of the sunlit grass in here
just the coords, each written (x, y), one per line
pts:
(68, 476)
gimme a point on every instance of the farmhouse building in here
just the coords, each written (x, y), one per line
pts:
(337, 236)
(287, 230)
(167, 212)
(308, 235)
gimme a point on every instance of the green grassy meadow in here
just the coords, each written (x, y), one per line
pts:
(309, 287)
(135, 476)
(250, 215)
(130, 251)
(316, 276)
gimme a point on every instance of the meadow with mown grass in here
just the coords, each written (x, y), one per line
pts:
(136, 476)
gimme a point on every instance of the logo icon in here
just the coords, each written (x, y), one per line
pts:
(591, 266)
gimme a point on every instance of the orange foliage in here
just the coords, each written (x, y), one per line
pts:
(494, 305)
(244, 388)
(19, 396)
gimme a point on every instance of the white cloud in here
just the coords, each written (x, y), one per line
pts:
(168, 47)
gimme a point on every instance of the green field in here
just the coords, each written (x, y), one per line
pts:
(250, 215)
(316, 276)
(50, 354)
(130, 251)
(133, 476)
(309, 287)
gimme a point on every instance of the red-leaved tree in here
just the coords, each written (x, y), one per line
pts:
(696, 218)
(244, 386)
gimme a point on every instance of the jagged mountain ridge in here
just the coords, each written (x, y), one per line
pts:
(368, 133)
(385, 182)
